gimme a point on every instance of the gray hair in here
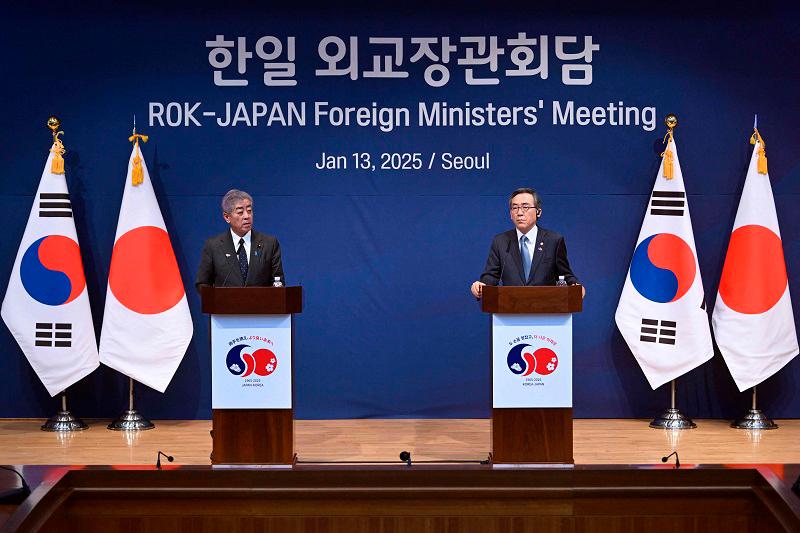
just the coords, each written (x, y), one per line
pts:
(537, 202)
(232, 197)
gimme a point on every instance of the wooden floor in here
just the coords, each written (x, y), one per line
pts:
(596, 442)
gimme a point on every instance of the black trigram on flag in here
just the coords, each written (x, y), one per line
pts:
(54, 204)
(53, 335)
(669, 203)
(660, 331)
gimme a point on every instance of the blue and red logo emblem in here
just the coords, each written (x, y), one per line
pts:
(52, 271)
(663, 268)
(242, 360)
(523, 360)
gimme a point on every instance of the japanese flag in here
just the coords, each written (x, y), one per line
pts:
(753, 320)
(146, 326)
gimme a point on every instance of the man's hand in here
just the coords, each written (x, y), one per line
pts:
(477, 289)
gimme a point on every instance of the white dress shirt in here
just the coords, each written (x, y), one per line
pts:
(246, 243)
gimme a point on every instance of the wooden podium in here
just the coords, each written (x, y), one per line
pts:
(541, 434)
(251, 436)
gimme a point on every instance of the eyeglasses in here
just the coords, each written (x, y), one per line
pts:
(524, 208)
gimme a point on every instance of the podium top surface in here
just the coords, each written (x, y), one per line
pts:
(251, 300)
(532, 300)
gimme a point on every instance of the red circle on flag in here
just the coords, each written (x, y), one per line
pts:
(754, 275)
(144, 274)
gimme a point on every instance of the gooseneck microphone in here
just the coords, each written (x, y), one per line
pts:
(500, 279)
(677, 460)
(158, 459)
(15, 496)
(228, 262)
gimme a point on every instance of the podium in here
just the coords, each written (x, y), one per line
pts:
(531, 350)
(251, 359)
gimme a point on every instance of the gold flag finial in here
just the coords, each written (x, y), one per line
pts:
(137, 173)
(762, 150)
(671, 122)
(57, 166)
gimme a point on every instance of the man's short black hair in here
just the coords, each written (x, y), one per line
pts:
(537, 202)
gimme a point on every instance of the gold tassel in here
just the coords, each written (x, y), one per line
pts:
(137, 173)
(669, 167)
(57, 166)
(762, 151)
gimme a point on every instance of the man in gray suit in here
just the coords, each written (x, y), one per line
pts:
(240, 256)
(527, 254)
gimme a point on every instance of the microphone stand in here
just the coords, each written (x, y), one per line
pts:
(131, 420)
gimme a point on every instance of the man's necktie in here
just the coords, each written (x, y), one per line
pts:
(526, 256)
(242, 253)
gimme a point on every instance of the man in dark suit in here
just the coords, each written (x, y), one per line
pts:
(240, 256)
(528, 254)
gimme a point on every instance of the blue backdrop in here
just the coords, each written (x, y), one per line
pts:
(386, 257)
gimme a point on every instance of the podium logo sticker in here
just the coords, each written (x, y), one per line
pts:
(524, 360)
(250, 358)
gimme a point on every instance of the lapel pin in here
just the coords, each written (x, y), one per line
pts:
(227, 255)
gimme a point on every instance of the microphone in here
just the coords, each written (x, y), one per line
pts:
(406, 457)
(15, 496)
(158, 459)
(228, 261)
(677, 460)
(500, 279)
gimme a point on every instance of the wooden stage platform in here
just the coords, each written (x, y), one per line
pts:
(610, 441)
(618, 484)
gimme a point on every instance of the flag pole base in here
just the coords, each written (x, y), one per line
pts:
(754, 419)
(672, 419)
(131, 420)
(64, 421)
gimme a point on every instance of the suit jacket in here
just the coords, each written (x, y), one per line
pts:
(219, 264)
(549, 260)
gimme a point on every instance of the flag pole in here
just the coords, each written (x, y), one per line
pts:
(754, 418)
(672, 418)
(130, 420)
(63, 420)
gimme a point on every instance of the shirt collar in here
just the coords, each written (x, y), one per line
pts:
(534, 231)
(236, 239)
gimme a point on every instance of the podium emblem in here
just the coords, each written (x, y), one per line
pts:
(524, 360)
(244, 360)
